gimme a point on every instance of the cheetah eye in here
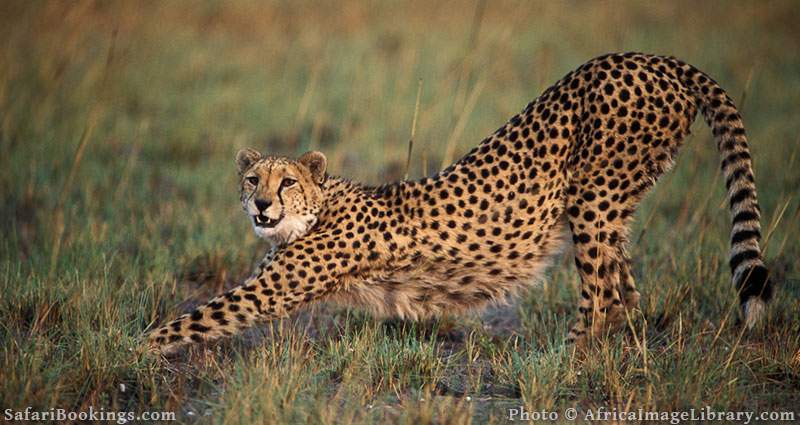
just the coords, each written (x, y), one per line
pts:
(253, 180)
(288, 182)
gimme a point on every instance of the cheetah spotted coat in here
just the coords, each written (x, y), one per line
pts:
(573, 164)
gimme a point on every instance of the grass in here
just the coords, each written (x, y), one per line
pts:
(118, 127)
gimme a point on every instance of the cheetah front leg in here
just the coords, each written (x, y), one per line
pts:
(292, 278)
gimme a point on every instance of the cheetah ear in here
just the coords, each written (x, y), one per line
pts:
(316, 163)
(246, 158)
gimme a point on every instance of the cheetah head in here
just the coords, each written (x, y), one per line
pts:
(281, 196)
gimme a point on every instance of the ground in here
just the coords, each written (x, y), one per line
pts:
(118, 129)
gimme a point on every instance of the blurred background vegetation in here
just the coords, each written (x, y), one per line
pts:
(118, 126)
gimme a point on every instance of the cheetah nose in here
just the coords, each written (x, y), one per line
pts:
(262, 205)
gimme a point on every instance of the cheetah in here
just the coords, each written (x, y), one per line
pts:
(575, 162)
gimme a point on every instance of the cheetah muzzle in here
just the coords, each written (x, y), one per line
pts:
(576, 161)
(261, 220)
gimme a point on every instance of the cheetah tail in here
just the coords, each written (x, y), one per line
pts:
(750, 276)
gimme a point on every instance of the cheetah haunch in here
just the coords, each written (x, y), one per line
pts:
(579, 157)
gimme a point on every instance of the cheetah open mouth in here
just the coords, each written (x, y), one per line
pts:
(264, 221)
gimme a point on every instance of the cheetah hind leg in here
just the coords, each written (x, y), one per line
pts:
(607, 286)
(619, 276)
(627, 290)
(602, 305)
(630, 296)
